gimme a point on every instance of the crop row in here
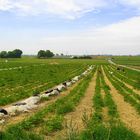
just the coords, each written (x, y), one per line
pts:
(127, 78)
(127, 60)
(128, 94)
(97, 128)
(122, 81)
(22, 83)
(49, 119)
(129, 73)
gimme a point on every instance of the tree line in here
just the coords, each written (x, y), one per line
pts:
(82, 57)
(17, 53)
(11, 54)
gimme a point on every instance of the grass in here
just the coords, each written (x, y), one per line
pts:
(96, 128)
(129, 76)
(16, 133)
(129, 95)
(127, 60)
(112, 107)
(52, 124)
(19, 84)
(37, 75)
(57, 110)
(114, 132)
(122, 81)
(50, 118)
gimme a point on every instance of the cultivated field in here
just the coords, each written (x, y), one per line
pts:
(127, 60)
(57, 99)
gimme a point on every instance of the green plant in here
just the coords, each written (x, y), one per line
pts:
(44, 99)
(52, 124)
(71, 131)
(35, 92)
(64, 108)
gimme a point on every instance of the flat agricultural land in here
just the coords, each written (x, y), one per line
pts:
(127, 60)
(103, 104)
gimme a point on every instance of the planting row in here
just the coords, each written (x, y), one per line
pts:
(123, 72)
(31, 102)
(22, 83)
(98, 128)
(122, 81)
(49, 119)
(129, 95)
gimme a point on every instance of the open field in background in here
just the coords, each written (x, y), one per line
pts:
(36, 75)
(103, 105)
(32, 60)
(127, 60)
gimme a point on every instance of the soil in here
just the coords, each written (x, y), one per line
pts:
(127, 113)
(75, 119)
(131, 87)
(20, 117)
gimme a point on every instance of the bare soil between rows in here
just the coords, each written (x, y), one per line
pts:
(11, 120)
(127, 113)
(75, 119)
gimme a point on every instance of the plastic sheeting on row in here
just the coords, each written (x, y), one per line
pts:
(32, 102)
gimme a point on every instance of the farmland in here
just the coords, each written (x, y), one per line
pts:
(127, 60)
(102, 104)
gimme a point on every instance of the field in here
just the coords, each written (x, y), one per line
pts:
(128, 60)
(103, 104)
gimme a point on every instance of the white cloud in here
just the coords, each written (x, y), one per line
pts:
(119, 38)
(64, 8)
(131, 3)
(135, 3)
(69, 9)
(5, 5)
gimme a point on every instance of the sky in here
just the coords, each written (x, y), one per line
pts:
(79, 27)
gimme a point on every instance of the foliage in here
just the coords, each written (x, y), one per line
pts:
(97, 128)
(11, 54)
(52, 124)
(32, 79)
(82, 57)
(45, 54)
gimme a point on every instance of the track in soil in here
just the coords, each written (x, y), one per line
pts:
(75, 119)
(127, 113)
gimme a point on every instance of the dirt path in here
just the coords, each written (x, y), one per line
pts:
(127, 113)
(136, 67)
(106, 118)
(111, 62)
(76, 118)
(22, 116)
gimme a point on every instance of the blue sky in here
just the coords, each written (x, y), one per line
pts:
(71, 26)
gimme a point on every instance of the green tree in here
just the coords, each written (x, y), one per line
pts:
(3, 54)
(17, 53)
(45, 54)
(41, 54)
(49, 54)
(10, 54)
